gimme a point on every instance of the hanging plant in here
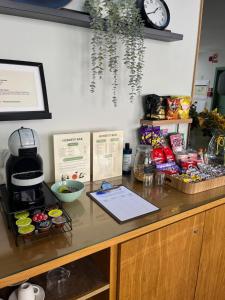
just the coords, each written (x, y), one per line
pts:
(114, 21)
(97, 43)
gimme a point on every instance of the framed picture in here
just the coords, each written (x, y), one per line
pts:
(23, 94)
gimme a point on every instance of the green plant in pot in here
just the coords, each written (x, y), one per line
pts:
(114, 22)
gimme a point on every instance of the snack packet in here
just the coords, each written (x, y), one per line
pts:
(173, 106)
(169, 154)
(155, 107)
(177, 142)
(170, 168)
(158, 156)
(151, 136)
(185, 104)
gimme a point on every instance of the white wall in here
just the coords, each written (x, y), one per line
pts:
(205, 69)
(64, 51)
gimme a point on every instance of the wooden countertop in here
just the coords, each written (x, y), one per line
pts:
(94, 230)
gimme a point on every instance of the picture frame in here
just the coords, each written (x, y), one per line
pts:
(23, 94)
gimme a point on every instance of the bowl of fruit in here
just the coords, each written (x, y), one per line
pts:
(68, 190)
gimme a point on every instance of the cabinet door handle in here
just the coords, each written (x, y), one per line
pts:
(195, 231)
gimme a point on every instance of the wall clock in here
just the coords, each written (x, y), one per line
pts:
(155, 13)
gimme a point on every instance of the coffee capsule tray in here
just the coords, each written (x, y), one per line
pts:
(43, 221)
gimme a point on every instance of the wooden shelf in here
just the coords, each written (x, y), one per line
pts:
(70, 17)
(162, 35)
(92, 294)
(165, 122)
(85, 282)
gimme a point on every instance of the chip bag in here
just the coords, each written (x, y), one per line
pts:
(155, 107)
(177, 142)
(173, 107)
(158, 156)
(185, 104)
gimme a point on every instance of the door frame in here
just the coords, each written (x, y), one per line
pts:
(198, 44)
(216, 79)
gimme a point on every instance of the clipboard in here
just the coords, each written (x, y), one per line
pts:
(122, 204)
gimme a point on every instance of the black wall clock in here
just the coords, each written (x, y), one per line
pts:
(155, 13)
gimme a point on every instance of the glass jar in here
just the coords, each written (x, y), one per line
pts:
(148, 179)
(216, 148)
(57, 282)
(142, 159)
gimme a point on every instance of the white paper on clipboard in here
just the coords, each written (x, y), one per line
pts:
(123, 204)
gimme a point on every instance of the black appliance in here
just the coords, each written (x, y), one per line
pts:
(24, 169)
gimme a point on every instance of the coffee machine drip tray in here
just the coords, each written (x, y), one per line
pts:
(28, 199)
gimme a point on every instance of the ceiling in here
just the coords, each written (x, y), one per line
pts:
(213, 26)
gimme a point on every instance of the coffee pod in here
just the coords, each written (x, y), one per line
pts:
(21, 215)
(39, 217)
(44, 226)
(23, 222)
(26, 230)
(59, 221)
(55, 213)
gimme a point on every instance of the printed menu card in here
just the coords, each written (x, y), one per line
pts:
(72, 156)
(107, 154)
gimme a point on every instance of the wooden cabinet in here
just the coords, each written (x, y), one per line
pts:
(163, 264)
(211, 278)
(181, 261)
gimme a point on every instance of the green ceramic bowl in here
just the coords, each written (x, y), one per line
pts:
(68, 197)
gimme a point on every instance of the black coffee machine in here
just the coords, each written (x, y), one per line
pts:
(24, 169)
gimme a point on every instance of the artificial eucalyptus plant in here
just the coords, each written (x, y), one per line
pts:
(115, 21)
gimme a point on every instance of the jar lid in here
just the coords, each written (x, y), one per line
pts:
(149, 169)
(144, 148)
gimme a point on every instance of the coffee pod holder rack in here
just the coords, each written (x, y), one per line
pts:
(50, 202)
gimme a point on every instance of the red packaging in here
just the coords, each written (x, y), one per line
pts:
(169, 154)
(158, 156)
(185, 165)
(171, 172)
